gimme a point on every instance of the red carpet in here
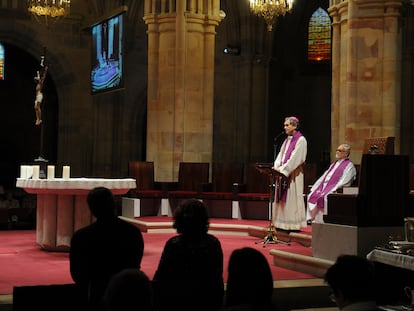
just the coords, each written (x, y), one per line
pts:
(22, 262)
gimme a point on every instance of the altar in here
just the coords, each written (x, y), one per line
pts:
(395, 272)
(62, 208)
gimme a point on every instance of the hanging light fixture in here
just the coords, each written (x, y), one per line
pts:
(270, 10)
(47, 11)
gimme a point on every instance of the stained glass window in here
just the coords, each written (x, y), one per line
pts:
(1, 62)
(319, 36)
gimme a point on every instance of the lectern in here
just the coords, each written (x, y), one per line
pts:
(267, 168)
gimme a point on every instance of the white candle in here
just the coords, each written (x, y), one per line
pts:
(24, 172)
(66, 172)
(36, 171)
(50, 172)
(29, 171)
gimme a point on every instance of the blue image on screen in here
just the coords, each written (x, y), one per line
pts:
(106, 73)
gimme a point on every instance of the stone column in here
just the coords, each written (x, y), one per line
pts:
(181, 37)
(365, 72)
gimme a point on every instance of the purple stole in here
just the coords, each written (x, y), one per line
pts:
(283, 182)
(318, 195)
(291, 147)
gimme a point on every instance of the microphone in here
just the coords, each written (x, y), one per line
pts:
(278, 136)
(275, 144)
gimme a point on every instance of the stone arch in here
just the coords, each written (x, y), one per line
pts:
(22, 37)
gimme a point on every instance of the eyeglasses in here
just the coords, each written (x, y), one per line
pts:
(339, 150)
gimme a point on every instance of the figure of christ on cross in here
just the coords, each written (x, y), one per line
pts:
(40, 78)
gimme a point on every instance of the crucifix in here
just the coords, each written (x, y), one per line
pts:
(39, 80)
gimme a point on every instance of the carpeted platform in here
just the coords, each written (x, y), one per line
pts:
(24, 263)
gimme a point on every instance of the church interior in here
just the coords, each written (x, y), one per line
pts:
(229, 108)
(169, 82)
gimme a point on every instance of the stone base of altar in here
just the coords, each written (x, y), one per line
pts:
(331, 240)
(62, 207)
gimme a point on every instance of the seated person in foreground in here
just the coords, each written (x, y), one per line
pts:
(190, 271)
(102, 249)
(128, 290)
(250, 282)
(340, 173)
(352, 280)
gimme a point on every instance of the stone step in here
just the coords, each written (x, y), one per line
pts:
(300, 263)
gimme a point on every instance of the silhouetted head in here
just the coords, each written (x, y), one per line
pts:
(250, 280)
(129, 289)
(191, 218)
(352, 279)
(101, 203)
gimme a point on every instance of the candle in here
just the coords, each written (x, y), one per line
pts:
(50, 172)
(36, 171)
(24, 171)
(66, 172)
(29, 171)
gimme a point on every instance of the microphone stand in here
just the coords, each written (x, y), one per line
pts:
(276, 144)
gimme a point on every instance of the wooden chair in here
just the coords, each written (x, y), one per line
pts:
(379, 145)
(145, 199)
(382, 199)
(191, 177)
(218, 195)
(22, 218)
(253, 195)
(310, 175)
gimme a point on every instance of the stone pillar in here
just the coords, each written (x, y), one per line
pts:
(181, 36)
(365, 72)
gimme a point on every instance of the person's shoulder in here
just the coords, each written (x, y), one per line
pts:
(82, 234)
(302, 138)
(212, 237)
(84, 230)
(127, 225)
(176, 239)
(213, 241)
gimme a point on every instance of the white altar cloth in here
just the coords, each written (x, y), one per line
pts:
(62, 208)
(73, 184)
(392, 259)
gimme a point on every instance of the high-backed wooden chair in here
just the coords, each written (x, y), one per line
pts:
(191, 177)
(218, 195)
(145, 199)
(382, 197)
(379, 145)
(310, 175)
(253, 195)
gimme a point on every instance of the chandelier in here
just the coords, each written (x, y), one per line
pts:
(49, 10)
(270, 10)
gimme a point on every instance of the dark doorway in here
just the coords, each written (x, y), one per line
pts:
(21, 141)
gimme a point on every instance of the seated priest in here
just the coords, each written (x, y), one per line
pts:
(340, 173)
